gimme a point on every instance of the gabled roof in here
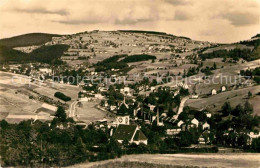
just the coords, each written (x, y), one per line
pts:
(139, 136)
(125, 132)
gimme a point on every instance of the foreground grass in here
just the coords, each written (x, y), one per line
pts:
(138, 165)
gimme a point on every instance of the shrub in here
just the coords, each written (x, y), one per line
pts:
(62, 96)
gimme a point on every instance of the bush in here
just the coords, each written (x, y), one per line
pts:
(62, 96)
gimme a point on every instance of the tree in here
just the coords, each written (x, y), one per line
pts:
(248, 108)
(3, 124)
(256, 144)
(201, 116)
(238, 110)
(249, 94)
(226, 109)
(214, 65)
(60, 114)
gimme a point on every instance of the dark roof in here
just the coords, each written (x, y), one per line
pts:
(139, 136)
(125, 132)
(123, 110)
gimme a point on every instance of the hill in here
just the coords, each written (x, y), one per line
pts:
(45, 54)
(27, 40)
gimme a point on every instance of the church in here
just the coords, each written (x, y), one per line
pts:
(124, 130)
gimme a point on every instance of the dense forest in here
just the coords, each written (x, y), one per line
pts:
(235, 54)
(44, 54)
(27, 40)
(137, 58)
(255, 74)
(114, 63)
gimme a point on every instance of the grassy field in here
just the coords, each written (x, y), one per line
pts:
(88, 112)
(14, 99)
(179, 160)
(235, 97)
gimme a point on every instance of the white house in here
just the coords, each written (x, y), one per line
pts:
(223, 88)
(151, 107)
(205, 126)
(173, 131)
(208, 115)
(253, 135)
(195, 122)
(213, 92)
(194, 96)
(152, 88)
(180, 123)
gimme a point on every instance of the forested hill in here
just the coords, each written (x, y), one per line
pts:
(45, 54)
(27, 40)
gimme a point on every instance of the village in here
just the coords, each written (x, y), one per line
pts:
(145, 91)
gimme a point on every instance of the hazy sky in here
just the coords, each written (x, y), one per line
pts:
(209, 20)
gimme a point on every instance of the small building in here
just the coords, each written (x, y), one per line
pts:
(173, 131)
(205, 126)
(131, 133)
(252, 136)
(213, 92)
(194, 96)
(195, 122)
(223, 88)
(180, 123)
(208, 114)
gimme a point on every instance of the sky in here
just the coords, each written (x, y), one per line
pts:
(221, 21)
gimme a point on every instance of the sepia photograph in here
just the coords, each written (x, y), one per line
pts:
(130, 83)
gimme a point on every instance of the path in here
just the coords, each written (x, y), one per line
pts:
(183, 101)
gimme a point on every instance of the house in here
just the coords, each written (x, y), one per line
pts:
(223, 88)
(194, 96)
(205, 126)
(204, 138)
(252, 136)
(131, 133)
(213, 92)
(112, 108)
(180, 123)
(173, 131)
(195, 122)
(208, 114)
(151, 107)
(152, 88)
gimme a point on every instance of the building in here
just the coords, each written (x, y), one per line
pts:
(180, 123)
(195, 122)
(194, 96)
(122, 114)
(205, 126)
(213, 92)
(131, 133)
(223, 88)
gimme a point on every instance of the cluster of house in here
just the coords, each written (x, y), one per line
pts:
(214, 91)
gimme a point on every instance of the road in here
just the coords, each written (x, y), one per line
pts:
(183, 101)
(72, 109)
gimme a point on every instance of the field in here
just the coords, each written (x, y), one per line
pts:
(15, 104)
(180, 160)
(88, 112)
(235, 97)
